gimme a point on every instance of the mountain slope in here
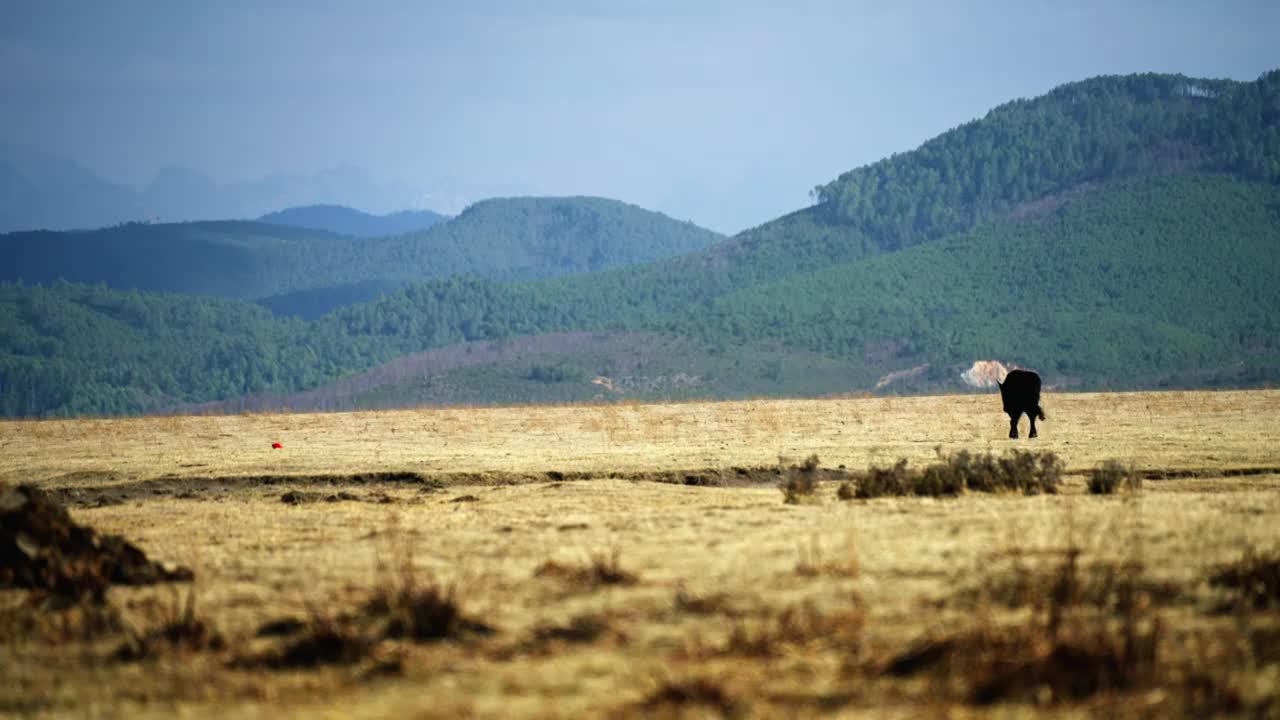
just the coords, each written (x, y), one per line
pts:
(346, 221)
(308, 272)
(1139, 282)
(225, 258)
(1151, 281)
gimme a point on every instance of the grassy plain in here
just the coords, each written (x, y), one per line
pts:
(605, 593)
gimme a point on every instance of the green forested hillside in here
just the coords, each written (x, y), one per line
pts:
(1116, 233)
(308, 272)
(1025, 155)
(1138, 281)
(348, 221)
(227, 258)
(1150, 281)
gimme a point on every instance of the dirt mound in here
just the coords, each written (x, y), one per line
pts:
(41, 548)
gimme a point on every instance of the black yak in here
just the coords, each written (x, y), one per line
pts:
(1020, 392)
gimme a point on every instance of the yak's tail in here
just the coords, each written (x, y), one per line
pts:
(1040, 412)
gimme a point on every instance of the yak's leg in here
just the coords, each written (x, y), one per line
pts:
(1013, 425)
(1032, 415)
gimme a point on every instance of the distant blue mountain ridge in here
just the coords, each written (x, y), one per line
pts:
(347, 221)
(43, 191)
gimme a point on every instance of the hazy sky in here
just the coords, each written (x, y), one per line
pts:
(724, 113)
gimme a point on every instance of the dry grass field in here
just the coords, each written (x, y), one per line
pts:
(553, 562)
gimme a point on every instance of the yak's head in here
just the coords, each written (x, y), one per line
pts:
(984, 374)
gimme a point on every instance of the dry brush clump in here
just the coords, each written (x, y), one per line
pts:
(55, 619)
(401, 607)
(1093, 630)
(426, 612)
(601, 570)
(175, 626)
(1026, 472)
(799, 482)
(696, 697)
(1062, 652)
(1112, 476)
(1254, 579)
(322, 640)
(796, 626)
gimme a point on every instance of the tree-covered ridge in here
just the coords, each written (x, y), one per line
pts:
(225, 258)
(526, 238)
(506, 239)
(1140, 280)
(354, 223)
(1023, 158)
(1083, 132)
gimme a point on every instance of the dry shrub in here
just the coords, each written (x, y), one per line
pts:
(422, 613)
(323, 641)
(581, 629)
(1254, 579)
(699, 695)
(796, 626)
(1090, 632)
(847, 491)
(1023, 663)
(600, 570)
(401, 607)
(799, 482)
(56, 619)
(404, 607)
(881, 482)
(1060, 654)
(1112, 476)
(1027, 472)
(174, 626)
(1106, 586)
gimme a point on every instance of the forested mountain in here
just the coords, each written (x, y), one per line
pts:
(1115, 233)
(308, 272)
(233, 259)
(343, 220)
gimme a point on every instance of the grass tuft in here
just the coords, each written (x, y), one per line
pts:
(1061, 653)
(56, 618)
(799, 482)
(1254, 578)
(599, 571)
(324, 641)
(175, 627)
(1112, 476)
(681, 697)
(793, 627)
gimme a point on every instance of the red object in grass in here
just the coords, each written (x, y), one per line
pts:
(276, 446)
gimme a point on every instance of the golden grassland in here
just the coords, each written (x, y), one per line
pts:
(622, 597)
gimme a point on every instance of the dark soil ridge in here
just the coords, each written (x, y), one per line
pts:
(329, 486)
(1183, 474)
(318, 486)
(42, 548)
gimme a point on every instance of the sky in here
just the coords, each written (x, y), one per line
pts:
(723, 113)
